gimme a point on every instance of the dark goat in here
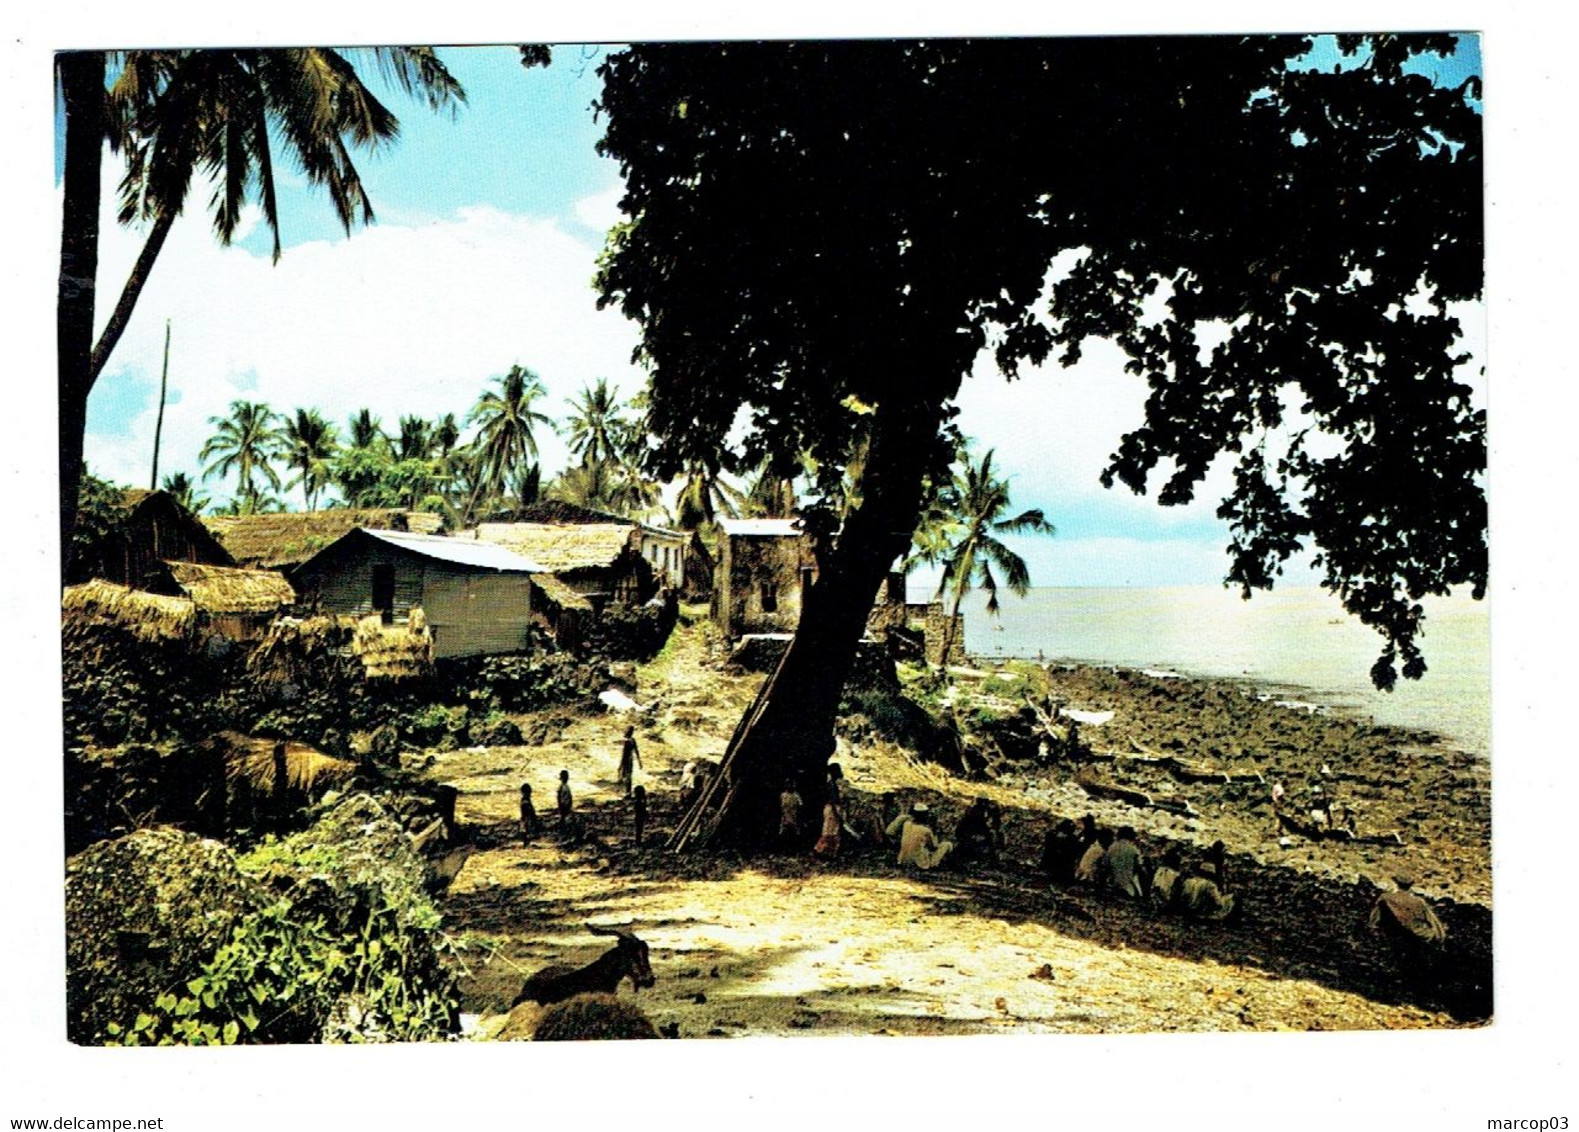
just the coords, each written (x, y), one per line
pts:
(628, 959)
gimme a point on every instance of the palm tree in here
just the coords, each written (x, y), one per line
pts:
(617, 488)
(177, 114)
(415, 440)
(245, 443)
(966, 519)
(366, 431)
(504, 443)
(180, 485)
(705, 495)
(310, 444)
(593, 430)
(446, 435)
(772, 493)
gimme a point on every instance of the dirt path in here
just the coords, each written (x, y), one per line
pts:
(785, 946)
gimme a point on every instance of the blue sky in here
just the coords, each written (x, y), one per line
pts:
(489, 224)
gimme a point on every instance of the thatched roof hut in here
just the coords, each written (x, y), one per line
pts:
(146, 530)
(146, 616)
(561, 548)
(221, 590)
(289, 538)
(602, 561)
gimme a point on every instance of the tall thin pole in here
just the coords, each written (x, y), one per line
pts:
(164, 384)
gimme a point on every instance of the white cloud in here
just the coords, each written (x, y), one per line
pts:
(601, 211)
(401, 319)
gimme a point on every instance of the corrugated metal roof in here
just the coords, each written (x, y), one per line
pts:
(462, 552)
(765, 528)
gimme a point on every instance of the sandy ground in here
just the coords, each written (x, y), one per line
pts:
(787, 946)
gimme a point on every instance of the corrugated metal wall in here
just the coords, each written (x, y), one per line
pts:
(472, 614)
(342, 581)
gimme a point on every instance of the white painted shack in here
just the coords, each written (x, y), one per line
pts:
(476, 596)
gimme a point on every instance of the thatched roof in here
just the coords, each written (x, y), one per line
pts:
(223, 589)
(394, 651)
(292, 537)
(307, 769)
(557, 512)
(559, 594)
(290, 650)
(561, 548)
(148, 617)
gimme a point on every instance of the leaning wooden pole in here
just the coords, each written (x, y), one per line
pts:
(164, 385)
(685, 833)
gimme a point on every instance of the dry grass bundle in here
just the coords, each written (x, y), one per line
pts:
(291, 648)
(307, 769)
(227, 589)
(393, 652)
(148, 617)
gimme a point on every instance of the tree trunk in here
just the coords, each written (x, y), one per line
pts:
(122, 314)
(82, 93)
(787, 735)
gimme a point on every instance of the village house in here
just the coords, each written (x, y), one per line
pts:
(286, 539)
(673, 555)
(476, 597)
(600, 561)
(763, 566)
(233, 602)
(146, 530)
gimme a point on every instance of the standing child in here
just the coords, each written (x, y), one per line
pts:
(630, 758)
(639, 812)
(565, 800)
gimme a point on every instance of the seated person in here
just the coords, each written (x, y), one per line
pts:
(1201, 899)
(917, 844)
(1407, 919)
(1089, 870)
(1121, 865)
(973, 836)
(1167, 877)
(1061, 852)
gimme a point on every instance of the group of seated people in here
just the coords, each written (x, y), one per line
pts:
(978, 835)
(1110, 861)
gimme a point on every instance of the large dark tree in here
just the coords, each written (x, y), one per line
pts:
(829, 234)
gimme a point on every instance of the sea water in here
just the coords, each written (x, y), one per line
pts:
(1295, 643)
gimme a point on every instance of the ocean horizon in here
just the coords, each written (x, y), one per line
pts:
(1295, 642)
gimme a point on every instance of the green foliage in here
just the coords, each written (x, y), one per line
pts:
(98, 510)
(278, 978)
(826, 236)
(438, 726)
(525, 682)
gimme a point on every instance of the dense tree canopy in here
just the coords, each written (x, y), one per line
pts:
(825, 237)
(820, 227)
